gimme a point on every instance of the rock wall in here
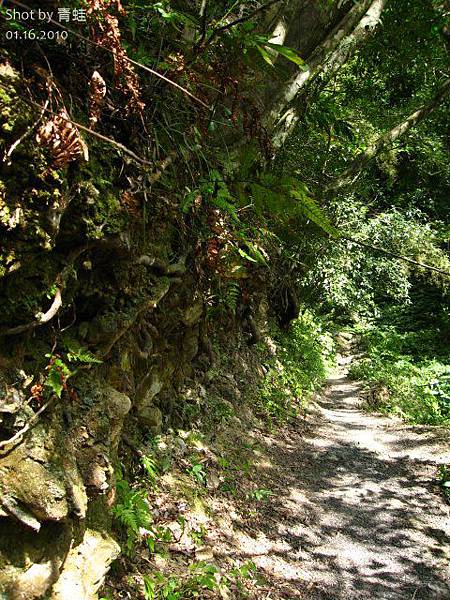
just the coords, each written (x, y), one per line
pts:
(131, 303)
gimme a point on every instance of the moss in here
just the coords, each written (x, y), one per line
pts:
(29, 193)
(99, 515)
(96, 199)
(105, 216)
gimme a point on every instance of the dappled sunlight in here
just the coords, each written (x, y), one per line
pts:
(353, 514)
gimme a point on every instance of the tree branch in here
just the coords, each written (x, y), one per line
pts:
(61, 282)
(29, 131)
(394, 255)
(17, 436)
(243, 19)
(99, 136)
(385, 140)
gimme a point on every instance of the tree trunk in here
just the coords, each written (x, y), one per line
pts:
(326, 60)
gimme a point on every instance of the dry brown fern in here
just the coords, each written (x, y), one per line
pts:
(97, 93)
(63, 139)
(106, 32)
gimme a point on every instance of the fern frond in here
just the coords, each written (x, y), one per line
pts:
(312, 211)
(287, 197)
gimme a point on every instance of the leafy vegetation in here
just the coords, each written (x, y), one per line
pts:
(407, 373)
(444, 480)
(299, 367)
(201, 577)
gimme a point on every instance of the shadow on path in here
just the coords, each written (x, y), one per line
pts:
(356, 513)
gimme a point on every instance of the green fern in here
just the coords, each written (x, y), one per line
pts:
(215, 191)
(132, 512)
(231, 296)
(151, 468)
(312, 211)
(287, 196)
(78, 353)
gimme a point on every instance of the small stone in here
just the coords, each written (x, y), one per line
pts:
(151, 417)
(97, 478)
(213, 481)
(119, 404)
(35, 582)
(180, 443)
(204, 555)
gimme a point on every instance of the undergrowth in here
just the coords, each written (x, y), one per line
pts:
(407, 372)
(296, 369)
(169, 501)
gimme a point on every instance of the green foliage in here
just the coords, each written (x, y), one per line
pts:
(201, 579)
(400, 201)
(261, 494)
(198, 535)
(287, 197)
(444, 479)
(215, 192)
(79, 354)
(412, 368)
(169, 15)
(351, 280)
(298, 368)
(270, 51)
(57, 374)
(132, 513)
(197, 471)
(132, 510)
(229, 294)
(151, 469)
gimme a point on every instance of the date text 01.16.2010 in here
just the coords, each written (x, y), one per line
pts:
(36, 34)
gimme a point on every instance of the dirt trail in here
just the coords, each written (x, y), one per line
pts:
(356, 512)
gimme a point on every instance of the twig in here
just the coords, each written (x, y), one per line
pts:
(218, 30)
(28, 132)
(104, 138)
(27, 426)
(153, 177)
(163, 165)
(130, 60)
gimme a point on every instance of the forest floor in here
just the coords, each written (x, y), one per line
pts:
(356, 511)
(338, 504)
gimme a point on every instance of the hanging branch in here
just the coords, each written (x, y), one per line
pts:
(61, 282)
(222, 28)
(29, 131)
(17, 437)
(394, 255)
(104, 138)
